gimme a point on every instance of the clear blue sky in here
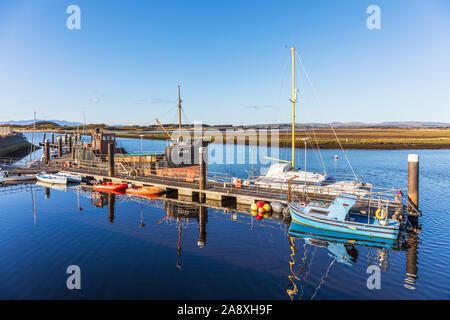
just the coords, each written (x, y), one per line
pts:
(230, 57)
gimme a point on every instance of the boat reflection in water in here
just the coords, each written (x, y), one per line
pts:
(177, 213)
(184, 215)
(340, 250)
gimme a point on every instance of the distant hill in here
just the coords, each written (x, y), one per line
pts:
(393, 124)
(403, 124)
(28, 122)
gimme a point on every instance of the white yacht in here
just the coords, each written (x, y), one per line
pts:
(281, 173)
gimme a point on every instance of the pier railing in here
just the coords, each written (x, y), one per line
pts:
(225, 182)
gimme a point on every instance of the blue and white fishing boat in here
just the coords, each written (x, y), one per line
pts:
(338, 218)
(315, 235)
(51, 178)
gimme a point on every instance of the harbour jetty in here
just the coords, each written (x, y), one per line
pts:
(101, 160)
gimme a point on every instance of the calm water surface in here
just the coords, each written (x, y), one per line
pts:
(150, 249)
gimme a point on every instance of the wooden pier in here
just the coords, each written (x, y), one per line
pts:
(206, 186)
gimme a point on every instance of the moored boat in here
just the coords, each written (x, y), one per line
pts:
(338, 218)
(110, 186)
(144, 191)
(280, 174)
(6, 178)
(70, 177)
(51, 178)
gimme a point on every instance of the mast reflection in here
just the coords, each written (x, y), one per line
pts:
(340, 250)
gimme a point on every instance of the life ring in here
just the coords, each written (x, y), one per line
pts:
(379, 214)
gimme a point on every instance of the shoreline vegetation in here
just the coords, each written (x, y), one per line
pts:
(350, 138)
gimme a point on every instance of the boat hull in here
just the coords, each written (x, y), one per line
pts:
(307, 232)
(345, 227)
(52, 179)
(144, 191)
(188, 173)
(13, 179)
(110, 187)
(71, 177)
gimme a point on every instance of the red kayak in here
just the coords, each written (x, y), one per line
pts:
(109, 186)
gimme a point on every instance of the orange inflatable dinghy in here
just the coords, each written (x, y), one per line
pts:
(144, 191)
(109, 186)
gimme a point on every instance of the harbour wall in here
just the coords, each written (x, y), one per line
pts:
(13, 146)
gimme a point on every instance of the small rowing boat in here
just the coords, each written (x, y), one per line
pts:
(337, 217)
(51, 178)
(144, 191)
(70, 177)
(110, 186)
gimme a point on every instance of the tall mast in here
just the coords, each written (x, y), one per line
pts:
(179, 111)
(34, 132)
(293, 107)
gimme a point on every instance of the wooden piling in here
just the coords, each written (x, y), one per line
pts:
(411, 261)
(47, 151)
(43, 138)
(203, 173)
(52, 135)
(70, 144)
(111, 160)
(111, 205)
(413, 180)
(59, 147)
(202, 221)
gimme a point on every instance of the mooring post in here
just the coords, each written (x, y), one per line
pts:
(413, 180)
(43, 138)
(110, 160)
(59, 147)
(70, 144)
(202, 221)
(52, 135)
(203, 173)
(47, 151)
(111, 204)
(411, 261)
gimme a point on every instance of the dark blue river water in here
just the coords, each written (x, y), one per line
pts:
(129, 249)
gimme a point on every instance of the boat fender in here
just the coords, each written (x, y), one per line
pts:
(379, 214)
(277, 206)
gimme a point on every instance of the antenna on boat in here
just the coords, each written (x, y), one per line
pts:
(179, 112)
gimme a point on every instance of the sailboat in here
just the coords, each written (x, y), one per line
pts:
(181, 156)
(283, 172)
(33, 162)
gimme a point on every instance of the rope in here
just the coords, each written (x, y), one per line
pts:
(331, 125)
(322, 280)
